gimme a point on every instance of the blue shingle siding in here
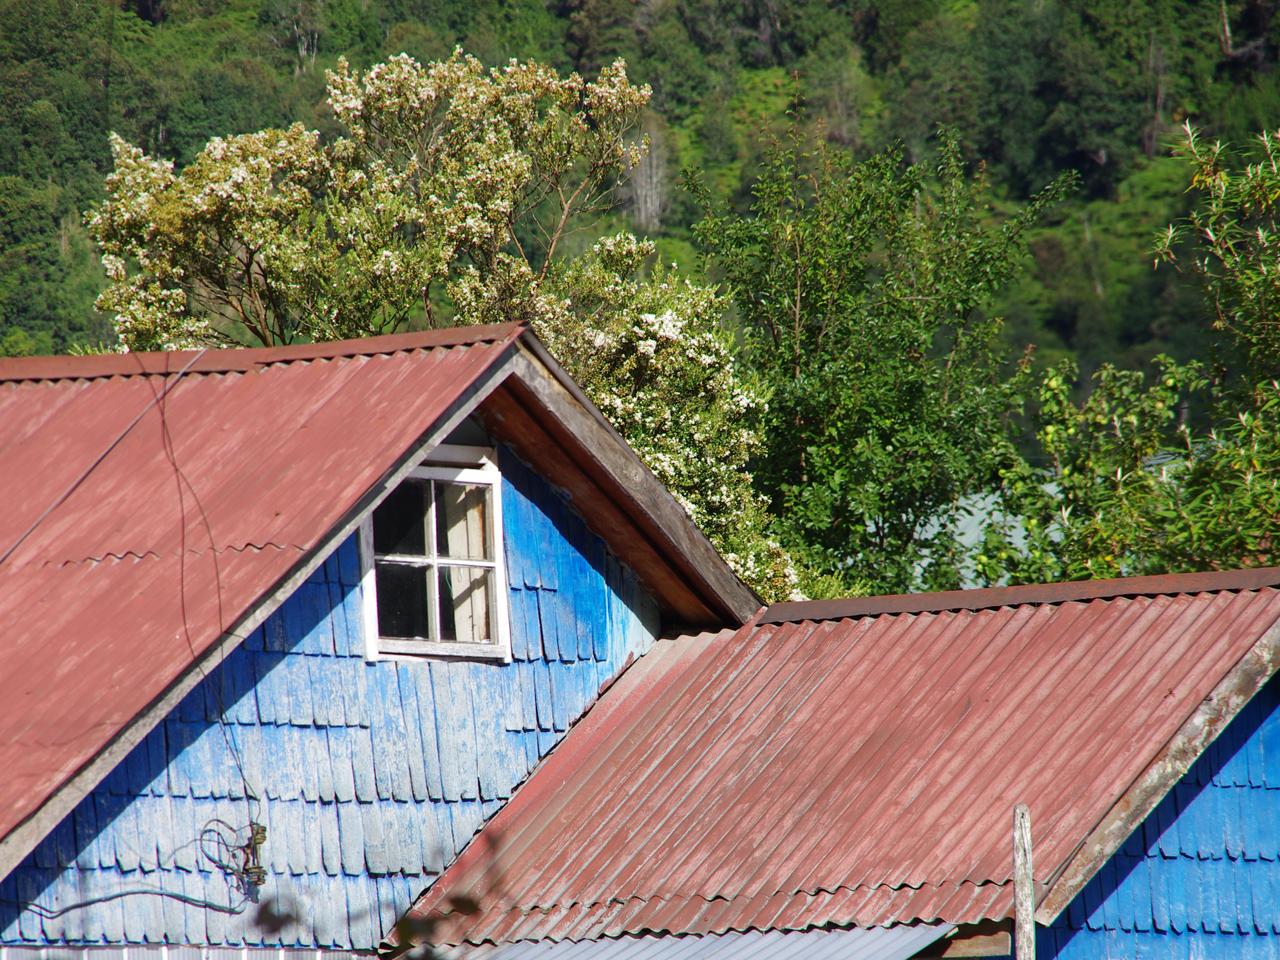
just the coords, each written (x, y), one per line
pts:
(1201, 878)
(367, 777)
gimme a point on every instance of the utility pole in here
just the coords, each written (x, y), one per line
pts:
(1024, 895)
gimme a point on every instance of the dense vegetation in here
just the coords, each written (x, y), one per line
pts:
(1032, 88)
(885, 409)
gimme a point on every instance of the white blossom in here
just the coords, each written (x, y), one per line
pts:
(653, 357)
(270, 236)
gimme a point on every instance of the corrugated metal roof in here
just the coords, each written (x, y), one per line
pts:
(115, 490)
(850, 771)
(877, 943)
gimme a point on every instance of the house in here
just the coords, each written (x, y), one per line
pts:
(281, 628)
(838, 779)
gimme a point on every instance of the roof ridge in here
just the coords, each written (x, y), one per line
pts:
(1212, 581)
(240, 359)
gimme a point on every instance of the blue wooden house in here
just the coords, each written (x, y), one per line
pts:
(281, 629)
(838, 779)
(1200, 877)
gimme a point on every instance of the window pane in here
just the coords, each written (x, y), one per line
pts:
(464, 604)
(400, 523)
(462, 521)
(402, 601)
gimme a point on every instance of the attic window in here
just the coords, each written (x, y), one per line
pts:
(433, 561)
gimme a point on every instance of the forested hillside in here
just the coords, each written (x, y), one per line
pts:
(1032, 88)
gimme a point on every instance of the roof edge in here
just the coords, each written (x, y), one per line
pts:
(1207, 582)
(1210, 718)
(633, 486)
(27, 834)
(233, 360)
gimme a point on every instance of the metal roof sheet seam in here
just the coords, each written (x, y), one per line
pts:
(731, 783)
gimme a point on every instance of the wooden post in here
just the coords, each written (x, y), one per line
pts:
(1024, 896)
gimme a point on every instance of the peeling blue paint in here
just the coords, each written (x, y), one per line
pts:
(368, 777)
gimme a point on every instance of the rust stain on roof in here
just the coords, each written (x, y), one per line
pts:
(859, 770)
(140, 524)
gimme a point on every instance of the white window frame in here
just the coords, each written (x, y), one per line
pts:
(459, 464)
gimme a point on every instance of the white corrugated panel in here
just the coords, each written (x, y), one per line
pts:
(873, 943)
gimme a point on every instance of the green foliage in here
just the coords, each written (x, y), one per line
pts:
(858, 288)
(1099, 510)
(1237, 246)
(49, 271)
(1129, 491)
(1132, 492)
(1088, 290)
(652, 356)
(1032, 88)
(271, 237)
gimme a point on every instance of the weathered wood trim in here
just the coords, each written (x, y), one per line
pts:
(24, 837)
(507, 415)
(1024, 893)
(582, 430)
(1208, 720)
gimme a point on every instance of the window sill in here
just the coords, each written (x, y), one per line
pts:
(435, 650)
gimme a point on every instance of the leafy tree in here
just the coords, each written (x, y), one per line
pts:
(450, 175)
(1132, 489)
(1236, 255)
(859, 289)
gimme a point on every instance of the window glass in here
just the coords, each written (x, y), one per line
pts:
(465, 594)
(403, 610)
(462, 521)
(400, 523)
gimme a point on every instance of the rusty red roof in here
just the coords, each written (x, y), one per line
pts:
(151, 500)
(862, 769)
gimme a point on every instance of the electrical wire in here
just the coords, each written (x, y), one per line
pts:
(62, 498)
(180, 478)
(46, 914)
(240, 861)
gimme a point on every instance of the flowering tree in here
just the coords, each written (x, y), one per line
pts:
(450, 175)
(468, 180)
(237, 250)
(653, 357)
